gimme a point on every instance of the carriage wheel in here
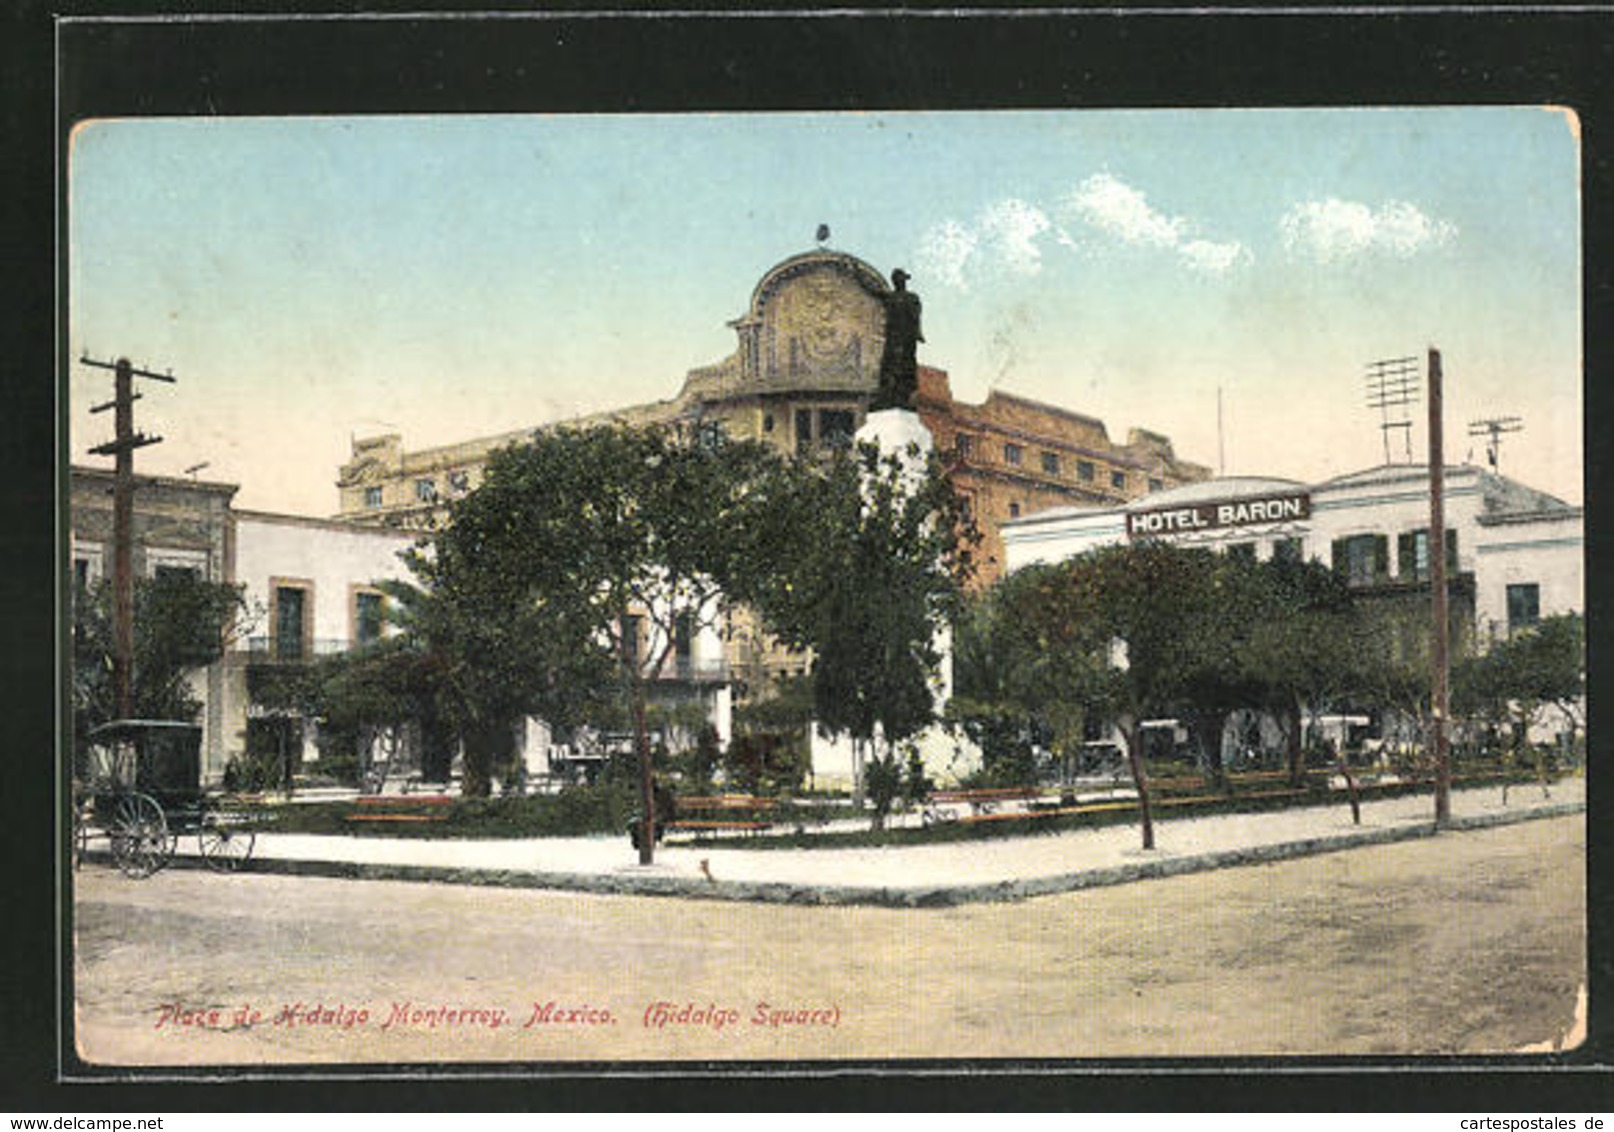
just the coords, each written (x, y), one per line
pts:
(140, 842)
(225, 847)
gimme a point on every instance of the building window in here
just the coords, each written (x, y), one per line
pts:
(87, 558)
(1412, 549)
(767, 422)
(1012, 454)
(835, 427)
(426, 491)
(372, 497)
(367, 617)
(684, 645)
(167, 562)
(1050, 463)
(631, 629)
(1014, 510)
(804, 431)
(288, 622)
(1118, 481)
(966, 506)
(964, 445)
(1524, 606)
(1290, 550)
(1241, 551)
(1362, 559)
(1085, 471)
(1156, 485)
(459, 482)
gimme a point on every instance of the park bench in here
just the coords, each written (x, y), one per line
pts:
(400, 808)
(956, 805)
(740, 813)
(718, 813)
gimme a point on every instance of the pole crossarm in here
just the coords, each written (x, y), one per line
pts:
(113, 447)
(133, 372)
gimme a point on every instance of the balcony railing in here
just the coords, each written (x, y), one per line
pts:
(695, 671)
(281, 650)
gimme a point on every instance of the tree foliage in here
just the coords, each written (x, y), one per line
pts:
(861, 566)
(565, 582)
(1148, 630)
(1517, 677)
(181, 624)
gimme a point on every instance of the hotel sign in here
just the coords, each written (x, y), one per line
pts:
(1214, 516)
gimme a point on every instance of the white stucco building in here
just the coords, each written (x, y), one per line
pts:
(1523, 548)
(311, 587)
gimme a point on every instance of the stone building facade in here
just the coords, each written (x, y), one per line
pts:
(802, 374)
(805, 366)
(179, 525)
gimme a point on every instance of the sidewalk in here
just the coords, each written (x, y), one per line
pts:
(1006, 868)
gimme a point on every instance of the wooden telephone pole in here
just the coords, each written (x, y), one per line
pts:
(121, 448)
(1440, 706)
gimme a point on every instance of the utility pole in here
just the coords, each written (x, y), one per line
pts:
(1441, 690)
(121, 448)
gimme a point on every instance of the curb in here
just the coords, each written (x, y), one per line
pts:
(945, 896)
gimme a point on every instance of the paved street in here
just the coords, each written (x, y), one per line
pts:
(1467, 942)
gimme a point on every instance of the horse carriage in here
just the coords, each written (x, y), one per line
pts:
(138, 785)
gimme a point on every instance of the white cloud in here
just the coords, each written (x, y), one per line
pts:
(945, 251)
(1213, 258)
(1010, 229)
(1118, 209)
(1331, 230)
(1007, 236)
(1003, 239)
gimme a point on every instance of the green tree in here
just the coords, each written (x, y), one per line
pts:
(577, 566)
(861, 567)
(1523, 674)
(781, 722)
(1300, 646)
(181, 624)
(1124, 631)
(1023, 682)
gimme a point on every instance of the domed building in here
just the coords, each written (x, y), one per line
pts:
(804, 368)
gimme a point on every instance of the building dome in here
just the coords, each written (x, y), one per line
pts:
(812, 263)
(815, 322)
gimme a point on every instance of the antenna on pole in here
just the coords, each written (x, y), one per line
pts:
(1493, 429)
(1393, 384)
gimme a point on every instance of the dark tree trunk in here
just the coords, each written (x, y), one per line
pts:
(647, 776)
(488, 745)
(1211, 726)
(1140, 779)
(1350, 789)
(1297, 762)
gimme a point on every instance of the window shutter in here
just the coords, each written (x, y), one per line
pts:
(1381, 556)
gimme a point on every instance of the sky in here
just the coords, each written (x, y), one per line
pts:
(1224, 277)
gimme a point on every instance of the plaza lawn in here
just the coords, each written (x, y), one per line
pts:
(812, 823)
